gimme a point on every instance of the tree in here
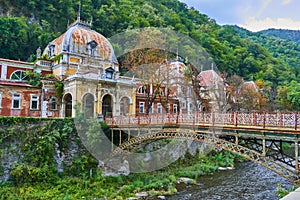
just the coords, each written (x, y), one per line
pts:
(282, 98)
(233, 84)
(250, 99)
(13, 38)
(293, 94)
(157, 83)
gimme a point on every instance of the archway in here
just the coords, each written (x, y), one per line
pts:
(88, 105)
(269, 162)
(68, 105)
(124, 106)
(107, 106)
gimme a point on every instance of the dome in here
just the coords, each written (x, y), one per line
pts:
(80, 39)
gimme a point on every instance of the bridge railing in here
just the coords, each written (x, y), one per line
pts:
(281, 120)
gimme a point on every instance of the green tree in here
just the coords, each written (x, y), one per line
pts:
(293, 94)
(14, 38)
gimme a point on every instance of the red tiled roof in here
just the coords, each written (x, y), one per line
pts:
(13, 83)
(209, 77)
(78, 36)
(15, 61)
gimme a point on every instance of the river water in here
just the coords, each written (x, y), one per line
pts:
(248, 181)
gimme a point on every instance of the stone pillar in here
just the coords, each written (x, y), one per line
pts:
(264, 147)
(112, 140)
(3, 71)
(236, 139)
(62, 109)
(100, 107)
(128, 134)
(296, 155)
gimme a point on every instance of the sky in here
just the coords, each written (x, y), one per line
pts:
(254, 15)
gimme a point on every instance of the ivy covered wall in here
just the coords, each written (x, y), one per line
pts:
(41, 150)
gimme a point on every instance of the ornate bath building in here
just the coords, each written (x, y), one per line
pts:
(81, 72)
(84, 61)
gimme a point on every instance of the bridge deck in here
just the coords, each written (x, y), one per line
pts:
(261, 134)
(279, 123)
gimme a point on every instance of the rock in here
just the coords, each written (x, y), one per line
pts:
(194, 146)
(186, 180)
(230, 168)
(142, 194)
(132, 198)
(225, 168)
(161, 197)
(116, 169)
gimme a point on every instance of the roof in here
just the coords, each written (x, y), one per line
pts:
(76, 39)
(209, 78)
(15, 61)
(15, 83)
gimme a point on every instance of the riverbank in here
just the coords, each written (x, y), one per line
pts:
(162, 182)
(248, 181)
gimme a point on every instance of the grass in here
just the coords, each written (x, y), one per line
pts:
(162, 182)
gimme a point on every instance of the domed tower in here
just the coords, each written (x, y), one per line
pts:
(81, 50)
(85, 62)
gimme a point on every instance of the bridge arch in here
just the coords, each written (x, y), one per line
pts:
(211, 140)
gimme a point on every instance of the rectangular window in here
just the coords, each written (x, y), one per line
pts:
(184, 104)
(34, 102)
(174, 108)
(159, 108)
(121, 108)
(16, 101)
(142, 107)
(0, 99)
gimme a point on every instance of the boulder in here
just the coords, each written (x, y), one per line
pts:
(116, 169)
(186, 180)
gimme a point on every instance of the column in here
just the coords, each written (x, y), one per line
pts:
(296, 155)
(3, 71)
(264, 146)
(112, 140)
(120, 135)
(236, 139)
(128, 134)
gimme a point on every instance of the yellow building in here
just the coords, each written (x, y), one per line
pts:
(85, 61)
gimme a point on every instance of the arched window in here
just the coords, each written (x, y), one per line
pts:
(53, 103)
(141, 90)
(92, 47)
(88, 105)
(19, 75)
(51, 50)
(124, 106)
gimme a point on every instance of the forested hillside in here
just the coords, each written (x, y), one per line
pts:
(293, 35)
(286, 50)
(26, 25)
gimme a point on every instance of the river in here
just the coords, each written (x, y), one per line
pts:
(248, 181)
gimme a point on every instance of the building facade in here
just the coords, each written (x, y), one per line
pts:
(17, 97)
(90, 73)
(83, 62)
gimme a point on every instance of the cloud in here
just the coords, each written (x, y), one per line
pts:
(286, 2)
(255, 25)
(263, 7)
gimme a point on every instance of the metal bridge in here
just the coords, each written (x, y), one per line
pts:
(259, 137)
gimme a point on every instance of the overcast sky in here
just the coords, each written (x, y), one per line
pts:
(254, 15)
